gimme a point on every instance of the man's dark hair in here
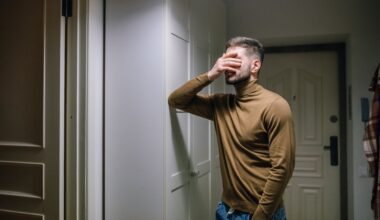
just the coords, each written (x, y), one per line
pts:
(253, 46)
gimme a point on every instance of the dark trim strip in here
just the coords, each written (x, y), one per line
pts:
(66, 78)
(104, 115)
(337, 47)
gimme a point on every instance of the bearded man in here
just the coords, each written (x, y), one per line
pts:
(254, 129)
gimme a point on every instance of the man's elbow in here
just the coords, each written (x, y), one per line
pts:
(172, 101)
(178, 100)
(283, 170)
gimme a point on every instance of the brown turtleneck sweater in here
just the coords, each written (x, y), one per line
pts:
(256, 137)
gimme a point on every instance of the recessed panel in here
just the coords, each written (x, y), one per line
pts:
(308, 166)
(199, 23)
(178, 150)
(22, 71)
(178, 122)
(200, 139)
(310, 202)
(200, 60)
(177, 63)
(178, 153)
(280, 83)
(199, 64)
(15, 215)
(200, 193)
(21, 179)
(178, 18)
(310, 106)
(200, 126)
(178, 180)
(178, 204)
(203, 168)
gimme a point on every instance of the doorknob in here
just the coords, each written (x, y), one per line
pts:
(333, 150)
(194, 173)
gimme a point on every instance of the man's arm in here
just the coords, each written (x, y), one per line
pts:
(279, 124)
(187, 98)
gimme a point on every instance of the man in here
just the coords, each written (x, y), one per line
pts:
(255, 132)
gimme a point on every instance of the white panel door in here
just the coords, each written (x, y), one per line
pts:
(194, 30)
(200, 160)
(217, 17)
(177, 122)
(309, 82)
(177, 135)
(31, 112)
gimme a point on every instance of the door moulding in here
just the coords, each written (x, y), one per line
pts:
(84, 171)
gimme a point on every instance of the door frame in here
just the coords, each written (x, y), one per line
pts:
(84, 156)
(340, 49)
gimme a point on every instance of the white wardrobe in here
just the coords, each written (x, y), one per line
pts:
(160, 163)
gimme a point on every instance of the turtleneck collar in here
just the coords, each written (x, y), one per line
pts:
(246, 88)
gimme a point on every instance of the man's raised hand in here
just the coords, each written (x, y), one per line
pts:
(228, 62)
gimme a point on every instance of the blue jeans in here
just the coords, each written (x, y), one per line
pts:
(223, 212)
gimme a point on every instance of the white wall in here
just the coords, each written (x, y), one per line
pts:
(292, 22)
(134, 104)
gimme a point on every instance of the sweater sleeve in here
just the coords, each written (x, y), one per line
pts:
(279, 124)
(187, 98)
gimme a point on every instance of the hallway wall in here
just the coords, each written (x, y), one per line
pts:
(356, 23)
(134, 100)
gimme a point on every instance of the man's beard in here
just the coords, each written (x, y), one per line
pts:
(237, 80)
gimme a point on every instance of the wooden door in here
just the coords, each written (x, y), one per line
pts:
(309, 82)
(32, 109)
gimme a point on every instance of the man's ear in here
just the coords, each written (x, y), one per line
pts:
(255, 67)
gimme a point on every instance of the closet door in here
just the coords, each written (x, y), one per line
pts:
(32, 109)
(189, 156)
(177, 122)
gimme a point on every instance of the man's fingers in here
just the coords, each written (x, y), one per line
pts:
(230, 69)
(230, 54)
(232, 64)
(228, 62)
(234, 60)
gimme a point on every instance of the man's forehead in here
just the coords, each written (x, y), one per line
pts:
(236, 49)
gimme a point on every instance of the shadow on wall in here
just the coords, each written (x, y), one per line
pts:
(183, 160)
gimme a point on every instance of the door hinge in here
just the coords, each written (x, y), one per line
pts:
(67, 8)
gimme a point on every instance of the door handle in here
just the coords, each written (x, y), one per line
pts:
(333, 150)
(194, 173)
